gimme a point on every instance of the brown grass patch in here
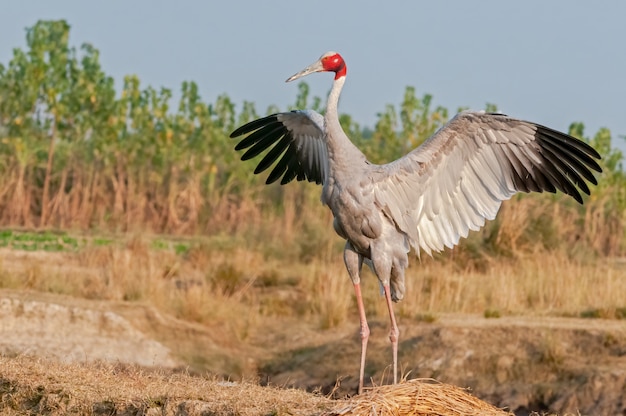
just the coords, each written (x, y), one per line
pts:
(33, 386)
(418, 397)
(218, 281)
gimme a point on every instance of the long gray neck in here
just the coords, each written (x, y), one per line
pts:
(341, 151)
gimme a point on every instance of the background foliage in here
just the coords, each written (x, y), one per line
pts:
(77, 153)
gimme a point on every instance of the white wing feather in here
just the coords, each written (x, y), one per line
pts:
(458, 178)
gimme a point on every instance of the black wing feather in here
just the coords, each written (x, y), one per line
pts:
(273, 154)
(258, 135)
(295, 157)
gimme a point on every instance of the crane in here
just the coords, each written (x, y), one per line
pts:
(426, 200)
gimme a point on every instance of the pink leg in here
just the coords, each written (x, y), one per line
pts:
(394, 334)
(365, 333)
(354, 262)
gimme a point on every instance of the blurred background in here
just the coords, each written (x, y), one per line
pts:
(551, 62)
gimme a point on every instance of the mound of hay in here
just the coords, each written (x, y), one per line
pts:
(418, 397)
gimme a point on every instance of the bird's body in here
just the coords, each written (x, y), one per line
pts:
(429, 198)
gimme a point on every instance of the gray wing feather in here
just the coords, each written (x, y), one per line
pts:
(459, 177)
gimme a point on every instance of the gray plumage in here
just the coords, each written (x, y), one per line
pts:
(428, 199)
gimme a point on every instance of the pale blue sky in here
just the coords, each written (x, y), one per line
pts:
(552, 62)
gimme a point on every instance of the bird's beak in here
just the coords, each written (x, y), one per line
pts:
(316, 67)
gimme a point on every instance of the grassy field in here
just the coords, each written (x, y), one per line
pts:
(564, 365)
(224, 278)
(254, 293)
(249, 292)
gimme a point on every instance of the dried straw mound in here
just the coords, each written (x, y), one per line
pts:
(418, 397)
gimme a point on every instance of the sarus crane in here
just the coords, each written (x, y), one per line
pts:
(426, 200)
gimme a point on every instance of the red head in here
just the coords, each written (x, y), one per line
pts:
(329, 62)
(333, 62)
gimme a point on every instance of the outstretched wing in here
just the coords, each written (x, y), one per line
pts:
(296, 145)
(459, 177)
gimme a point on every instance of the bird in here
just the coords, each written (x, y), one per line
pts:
(426, 200)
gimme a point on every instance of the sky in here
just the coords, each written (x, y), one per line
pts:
(551, 62)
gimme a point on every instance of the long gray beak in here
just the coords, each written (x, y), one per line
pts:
(316, 67)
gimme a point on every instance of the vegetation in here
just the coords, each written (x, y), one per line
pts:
(76, 154)
(40, 387)
(31, 386)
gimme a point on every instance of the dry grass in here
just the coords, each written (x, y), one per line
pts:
(544, 283)
(541, 255)
(33, 386)
(241, 292)
(220, 280)
(418, 397)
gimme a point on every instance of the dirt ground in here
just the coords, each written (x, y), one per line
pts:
(524, 364)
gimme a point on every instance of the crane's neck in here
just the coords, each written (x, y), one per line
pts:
(333, 97)
(341, 151)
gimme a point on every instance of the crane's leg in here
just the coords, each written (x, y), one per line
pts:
(394, 333)
(382, 268)
(354, 262)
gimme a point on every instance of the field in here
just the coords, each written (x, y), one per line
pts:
(114, 389)
(132, 234)
(536, 340)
